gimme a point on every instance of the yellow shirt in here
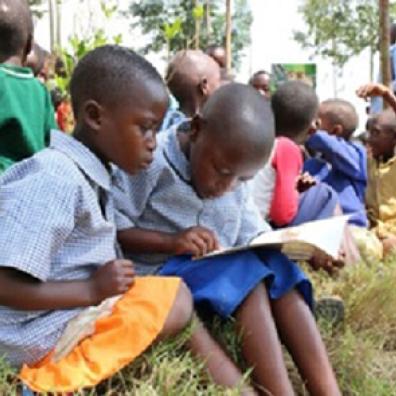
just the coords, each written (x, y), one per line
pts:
(381, 196)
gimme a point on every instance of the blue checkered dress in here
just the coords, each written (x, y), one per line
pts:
(52, 227)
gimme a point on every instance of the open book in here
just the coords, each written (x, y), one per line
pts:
(300, 242)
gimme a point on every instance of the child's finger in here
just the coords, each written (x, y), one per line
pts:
(210, 240)
(199, 245)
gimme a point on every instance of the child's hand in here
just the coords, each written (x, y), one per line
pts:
(373, 89)
(304, 182)
(197, 241)
(322, 261)
(115, 277)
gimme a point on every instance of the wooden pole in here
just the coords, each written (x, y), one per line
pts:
(385, 42)
(52, 24)
(228, 36)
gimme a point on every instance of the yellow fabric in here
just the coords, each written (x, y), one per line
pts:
(136, 321)
(381, 197)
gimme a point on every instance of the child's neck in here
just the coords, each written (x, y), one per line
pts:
(190, 107)
(15, 60)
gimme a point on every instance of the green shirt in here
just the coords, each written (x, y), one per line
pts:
(26, 115)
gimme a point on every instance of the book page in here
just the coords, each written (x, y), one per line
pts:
(300, 242)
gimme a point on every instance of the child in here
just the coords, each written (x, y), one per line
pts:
(381, 187)
(261, 80)
(283, 195)
(192, 77)
(58, 241)
(26, 113)
(192, 200)
(342, 163)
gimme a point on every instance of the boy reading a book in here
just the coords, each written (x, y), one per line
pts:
(58, 249)
(193, 200)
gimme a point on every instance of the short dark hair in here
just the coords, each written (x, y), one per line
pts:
(295, 105)
(108, 74)
(16, 27)
(342, 112)
(238, 115)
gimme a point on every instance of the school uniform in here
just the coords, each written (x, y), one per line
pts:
(275, 189)
(343, 166)
(57, 224)
(26, 115)
(381, 196)
(162, 198)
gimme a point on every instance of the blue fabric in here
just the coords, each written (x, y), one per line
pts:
(343, 166)
(317, 203)
(223, 282)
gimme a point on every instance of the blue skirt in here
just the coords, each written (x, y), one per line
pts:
(223, 282)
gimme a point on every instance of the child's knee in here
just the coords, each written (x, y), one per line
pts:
(181, 313)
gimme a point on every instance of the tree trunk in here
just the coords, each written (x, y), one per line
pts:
(208, 21)
(385, 41)
(52, 24)
(197, 28)
(228, 36)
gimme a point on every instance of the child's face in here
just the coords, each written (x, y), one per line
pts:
(261, 82)
(127, 132)
(382, 135)
(218, 168)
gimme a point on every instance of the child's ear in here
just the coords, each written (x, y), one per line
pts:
(338, 130)
(196, 127)
(203, 87)
(92, 115)
(28, 48)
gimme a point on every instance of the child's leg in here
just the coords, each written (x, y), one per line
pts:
(261, 345)
(220, 367)
(298, 331)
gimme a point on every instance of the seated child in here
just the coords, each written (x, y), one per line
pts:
(192, 200)
(381, 186)
(282, 193)
(26, 113)
(192, 77)
(261, 81)
(58, 246)
(340, 162)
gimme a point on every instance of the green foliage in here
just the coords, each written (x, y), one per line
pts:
(170, 24)
(339, 29)
(35, 6)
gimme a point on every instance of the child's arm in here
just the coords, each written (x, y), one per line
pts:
(287, 163)
(339, 153)
(196, 241)
(376, 89)
(21, 291)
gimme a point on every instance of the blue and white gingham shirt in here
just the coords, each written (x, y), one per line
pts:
(162, 198)
(52, 227)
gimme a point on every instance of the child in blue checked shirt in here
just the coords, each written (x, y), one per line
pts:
(192, 200)
(58, 240)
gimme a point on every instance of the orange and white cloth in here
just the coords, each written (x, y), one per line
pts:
(131, 325)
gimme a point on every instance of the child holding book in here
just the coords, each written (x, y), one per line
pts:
(193, 200)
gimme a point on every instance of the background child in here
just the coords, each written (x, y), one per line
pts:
(282, 194)
(57, 206)
(261, 80)
(381, 187)
(192, 77)
(340, 162)
(192, 200)
(26, 112)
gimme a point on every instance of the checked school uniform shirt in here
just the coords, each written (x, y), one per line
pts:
(161, 198)
(56, 224)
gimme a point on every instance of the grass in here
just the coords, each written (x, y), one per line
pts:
(362, 349)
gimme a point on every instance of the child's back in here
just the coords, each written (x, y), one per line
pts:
(339, 162)
(26, 112)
